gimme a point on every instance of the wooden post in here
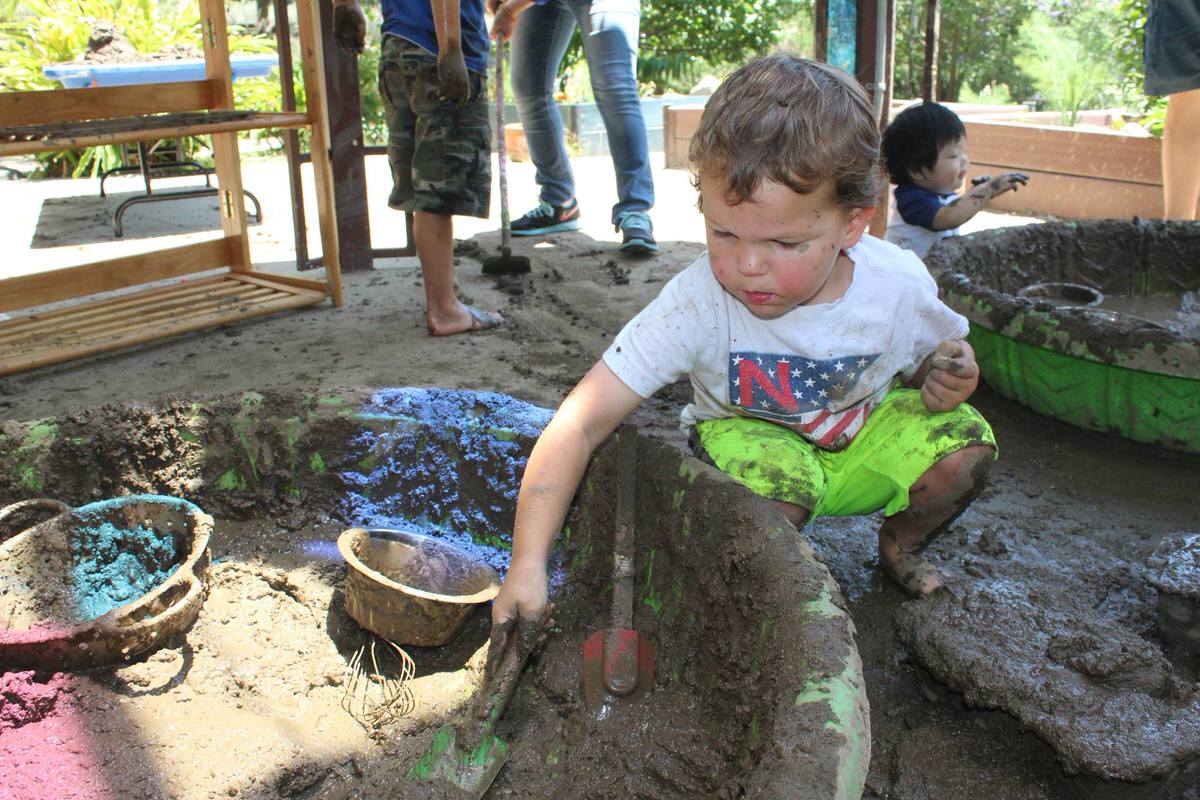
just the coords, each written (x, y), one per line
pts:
(346, 150)
(821, 30)
(933, 24)
(878, 226)
(313, 64)
(215, 38)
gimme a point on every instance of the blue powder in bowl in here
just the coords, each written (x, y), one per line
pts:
(114, 566)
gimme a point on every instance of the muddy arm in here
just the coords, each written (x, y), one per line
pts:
(586, 417)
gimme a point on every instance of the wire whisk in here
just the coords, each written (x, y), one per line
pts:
(377, 684)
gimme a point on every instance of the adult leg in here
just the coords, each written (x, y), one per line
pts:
(1181, 156)
(610, 35)
(538, 45)
(937, 498)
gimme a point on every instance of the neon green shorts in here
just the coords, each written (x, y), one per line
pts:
(899, 442)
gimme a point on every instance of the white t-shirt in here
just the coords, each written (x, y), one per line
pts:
(819, 370)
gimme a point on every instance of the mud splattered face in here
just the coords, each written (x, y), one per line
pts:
(948, 171)
(780, 249)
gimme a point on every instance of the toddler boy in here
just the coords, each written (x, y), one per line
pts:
(925, 150)
(827, 375)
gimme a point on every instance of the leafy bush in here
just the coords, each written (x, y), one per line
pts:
(977, 45)
(1067, 52)
(38, 33)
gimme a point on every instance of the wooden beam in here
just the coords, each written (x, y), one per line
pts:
(42, 288)
(144, 133)
(312, 61)
(85, 341)
(102, 102)
(226, 159)
(1066, 151)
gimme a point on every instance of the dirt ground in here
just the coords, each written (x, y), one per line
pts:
(1068, 508)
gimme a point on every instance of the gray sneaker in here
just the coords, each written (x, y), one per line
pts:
(638, 233)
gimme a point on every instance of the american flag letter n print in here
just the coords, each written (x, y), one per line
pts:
(803, 393)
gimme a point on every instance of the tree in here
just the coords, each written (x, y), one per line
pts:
(977, 47)
(680, 37)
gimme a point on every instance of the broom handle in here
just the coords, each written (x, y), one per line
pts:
(622, 611)
(502, 146)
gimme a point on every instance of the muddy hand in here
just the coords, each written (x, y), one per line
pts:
(952, 377)
(1009, 181)
(349, 26)
(453, 83)
(525, 635)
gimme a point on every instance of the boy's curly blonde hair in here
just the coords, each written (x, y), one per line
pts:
(796, 122)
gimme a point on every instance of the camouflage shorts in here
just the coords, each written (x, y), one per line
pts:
(440, 153)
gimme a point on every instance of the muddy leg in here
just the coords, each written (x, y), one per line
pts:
(935, 500)
(797, 515)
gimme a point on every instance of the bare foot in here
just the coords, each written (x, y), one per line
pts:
(912, 573)
(469, 320)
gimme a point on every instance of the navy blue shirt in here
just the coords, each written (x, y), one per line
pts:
(918, 206)
(413, 20)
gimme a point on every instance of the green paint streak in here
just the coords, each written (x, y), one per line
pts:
(249, 455)
(317, 464)
(677, 499)
(651, 597)
(39, 433)
(186, 434)
(252, 399)
(822, 606)
(30, 479)
(752, 738)
(331, 400)
(778, 531)
(292, 428)
(764, 635)
(688, 471)
(231, 481)
(841, 693)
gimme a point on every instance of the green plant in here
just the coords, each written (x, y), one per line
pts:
(994, 94)
(42, 32)
(1065, 66)
(681, 39)
(978, 41)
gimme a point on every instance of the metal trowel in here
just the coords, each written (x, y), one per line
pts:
(618, 662)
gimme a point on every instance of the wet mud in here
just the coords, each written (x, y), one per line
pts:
(983, 275)
(759, 688)
(1107, 701)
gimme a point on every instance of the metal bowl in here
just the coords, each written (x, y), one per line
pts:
(1064, 294)
(410, 588)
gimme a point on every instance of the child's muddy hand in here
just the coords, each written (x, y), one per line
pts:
(1009, 181)
(952, 376)
(453, 82)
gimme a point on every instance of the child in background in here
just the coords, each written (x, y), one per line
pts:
(827, 375)
(925, 150)
(433, 81)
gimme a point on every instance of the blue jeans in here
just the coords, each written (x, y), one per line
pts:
(609, 30)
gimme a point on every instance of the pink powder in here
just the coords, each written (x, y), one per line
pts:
(44, 749)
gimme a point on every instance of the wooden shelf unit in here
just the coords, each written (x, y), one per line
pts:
(41, 121)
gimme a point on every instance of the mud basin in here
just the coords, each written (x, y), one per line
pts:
(1119, 352)
(758, 684)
